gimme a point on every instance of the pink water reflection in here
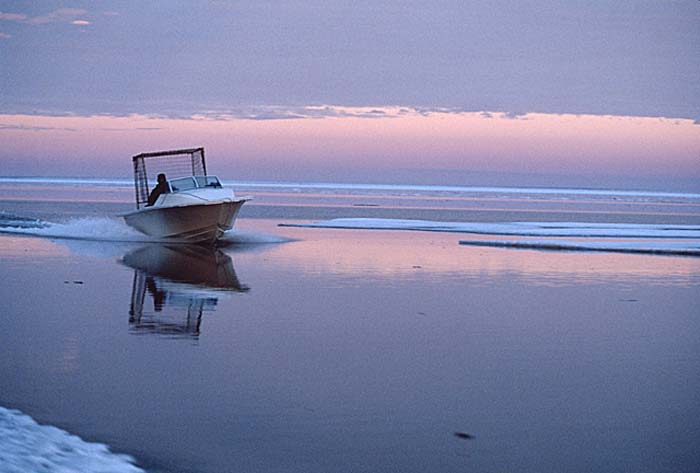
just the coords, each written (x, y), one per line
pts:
(399, 254)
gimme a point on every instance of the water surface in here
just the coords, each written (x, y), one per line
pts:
(350, 350)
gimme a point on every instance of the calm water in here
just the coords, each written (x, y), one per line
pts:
(317, 350)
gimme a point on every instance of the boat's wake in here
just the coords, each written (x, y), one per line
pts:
(113, 229)
(86, 228)
(238, 236)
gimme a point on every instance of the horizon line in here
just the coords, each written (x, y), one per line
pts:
(567, 190)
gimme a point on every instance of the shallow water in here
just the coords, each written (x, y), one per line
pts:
(307, 349)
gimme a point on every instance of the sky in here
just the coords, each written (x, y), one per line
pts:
(593, 93)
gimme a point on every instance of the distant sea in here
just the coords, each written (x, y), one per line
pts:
(367, 188)
(304, 199)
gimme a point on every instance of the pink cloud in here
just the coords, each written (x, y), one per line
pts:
(355, 141)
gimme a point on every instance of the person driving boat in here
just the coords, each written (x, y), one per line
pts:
(161, 188)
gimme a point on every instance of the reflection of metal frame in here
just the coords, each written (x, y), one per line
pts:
(183, 281)
(158, 321)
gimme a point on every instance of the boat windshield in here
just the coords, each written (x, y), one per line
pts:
(193, 182)
(183, 184)
(208, 181)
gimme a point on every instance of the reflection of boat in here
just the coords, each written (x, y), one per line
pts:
(188, 205)
(183, 281)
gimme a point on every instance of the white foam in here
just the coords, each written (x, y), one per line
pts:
(88, 228)
(662, 248)
(547, 229)
(237, 236)
(26, 446)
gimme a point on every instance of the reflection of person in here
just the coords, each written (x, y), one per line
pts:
(161, 188)
(158, 295)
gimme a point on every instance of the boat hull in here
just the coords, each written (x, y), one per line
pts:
(192, 223)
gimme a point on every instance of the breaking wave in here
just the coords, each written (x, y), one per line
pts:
(27, 446)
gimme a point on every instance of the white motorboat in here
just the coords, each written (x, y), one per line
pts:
(191, 207)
